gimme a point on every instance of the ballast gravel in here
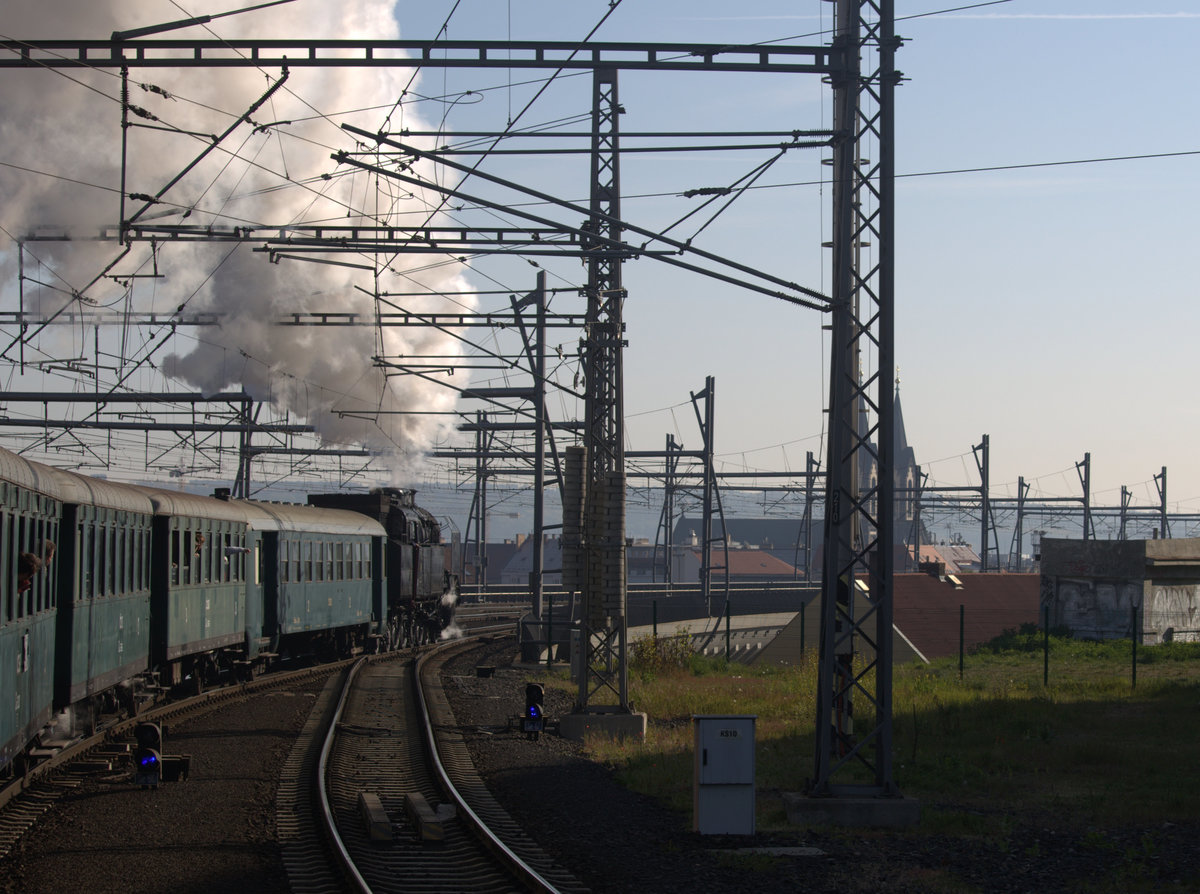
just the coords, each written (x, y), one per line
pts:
(215, 832)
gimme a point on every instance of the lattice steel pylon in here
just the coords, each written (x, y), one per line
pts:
(854, 753)
(603, 671)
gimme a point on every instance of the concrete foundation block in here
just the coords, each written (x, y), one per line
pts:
(615, 726)
(803, 810)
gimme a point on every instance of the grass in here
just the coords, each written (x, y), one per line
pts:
(1087, 747)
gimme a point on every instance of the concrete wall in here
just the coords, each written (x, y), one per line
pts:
(1095, 609)
(1095, 586)
(1172, 613)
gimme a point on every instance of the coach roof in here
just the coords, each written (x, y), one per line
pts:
(298, 517)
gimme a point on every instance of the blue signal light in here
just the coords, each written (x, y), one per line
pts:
(148, 761)
(534, 711)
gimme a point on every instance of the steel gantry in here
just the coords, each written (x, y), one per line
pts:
(603, 675)
(858, 517)
(854, 699)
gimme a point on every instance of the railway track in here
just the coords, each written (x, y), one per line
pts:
(27, 797)
(393, 739)
(382, 733)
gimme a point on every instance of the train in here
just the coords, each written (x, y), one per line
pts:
(113, 594)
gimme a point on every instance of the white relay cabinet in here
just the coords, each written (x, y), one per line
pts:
(723, 794)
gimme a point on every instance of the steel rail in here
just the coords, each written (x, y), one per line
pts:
(331, 830)
(531, 876)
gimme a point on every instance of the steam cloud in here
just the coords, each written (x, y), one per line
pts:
(60, 138)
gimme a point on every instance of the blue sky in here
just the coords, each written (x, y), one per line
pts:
(1047, 306)
(1047, 303)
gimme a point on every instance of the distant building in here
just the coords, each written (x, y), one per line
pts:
(749, 566)
(788, 539)
(1100, 589)
(954, 558)
(515, 572)
(644, 564)
(495, 558)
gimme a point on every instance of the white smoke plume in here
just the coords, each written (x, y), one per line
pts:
(60, 145)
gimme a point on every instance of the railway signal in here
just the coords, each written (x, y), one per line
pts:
(533, 721)
(147, 757)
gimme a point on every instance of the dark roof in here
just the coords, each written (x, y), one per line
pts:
(498, 557)
(749, 562)
(768, 533)
(521, 559)
(926, 609)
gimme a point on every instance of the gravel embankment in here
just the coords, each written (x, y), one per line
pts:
(215, 832)
(617, 841)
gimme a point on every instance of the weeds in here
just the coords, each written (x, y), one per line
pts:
(998, 740)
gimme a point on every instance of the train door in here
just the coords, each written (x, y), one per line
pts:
(281, 574)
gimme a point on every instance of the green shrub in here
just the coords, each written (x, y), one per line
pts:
(652, 655)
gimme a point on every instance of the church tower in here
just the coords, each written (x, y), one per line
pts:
(904, 471)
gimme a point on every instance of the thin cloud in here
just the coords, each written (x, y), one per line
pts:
(1080, 15)
(777, 18)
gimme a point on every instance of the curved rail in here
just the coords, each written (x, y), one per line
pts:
(331, 830)
(167, 710)
(530, 875)
(345, 848)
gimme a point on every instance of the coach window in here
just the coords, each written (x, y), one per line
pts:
(110, 577)
(213, 556)
(85, 560)
(9, 570)
(308, 560)
(120, 566)
(34, 603)
(220, 559)
(191, 573)
(135, 555)
(37, 593)
(185, 555)
(15, 548)
(10, 575)
(204, 556)
(145, 560)
(100, 561)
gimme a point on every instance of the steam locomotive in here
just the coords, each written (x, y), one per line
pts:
(111, 593)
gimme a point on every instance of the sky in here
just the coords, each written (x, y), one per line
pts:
(1046, 156)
